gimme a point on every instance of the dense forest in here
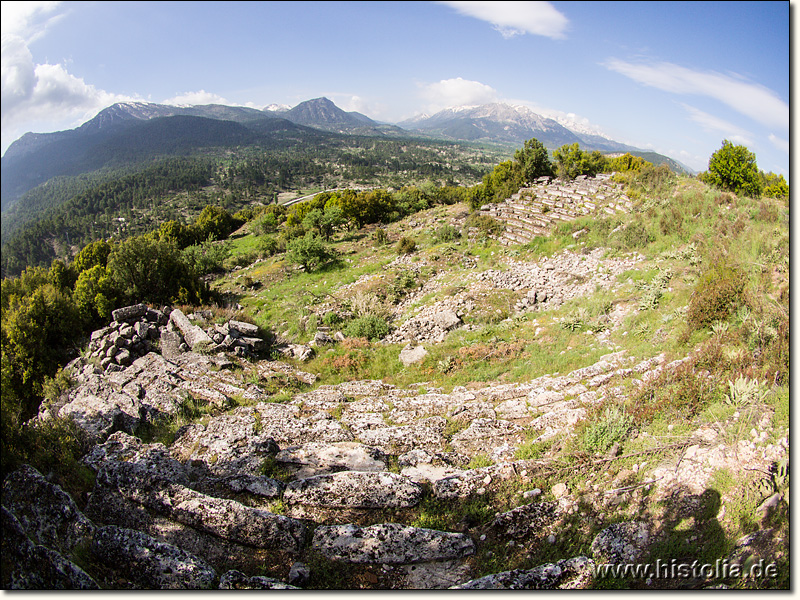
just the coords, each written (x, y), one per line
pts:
(55, 219)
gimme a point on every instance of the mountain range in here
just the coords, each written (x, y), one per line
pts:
(131, 131)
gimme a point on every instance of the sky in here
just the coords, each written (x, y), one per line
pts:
(674, 77)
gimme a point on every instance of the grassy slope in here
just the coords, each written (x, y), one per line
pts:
(680, 229)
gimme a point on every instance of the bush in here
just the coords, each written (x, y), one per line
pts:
(635, 236)
(611, 428)
(485, 223)
(371, 327)
(447, 233)
(406, 245)
(733, 169)
(147, 269)
(207, 257)
(380, 237)
(269, 246)
(718, 292)
(308, 251)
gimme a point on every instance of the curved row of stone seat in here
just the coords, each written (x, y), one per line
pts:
(533, 211)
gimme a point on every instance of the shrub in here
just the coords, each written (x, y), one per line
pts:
(733, 169)
(371, 327)
(485, 223)
(380, 237)
(268, 245)
(635, 236)
(447, 233)
(611, 428)
(406, 245)
(718, 292)
(207, 257)
(744, 391)
(308, 251)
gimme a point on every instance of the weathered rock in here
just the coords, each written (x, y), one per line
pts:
(236, 580)
(99, 408)
(573, 573)
(193, 335)
(149, 563)
(527, 521)
(426, 467)
(411, 354)
(319, 459)
(28, 566)
(476, 481)
(301, 352)
(485, 435)
(446, 319)
(129, 313)
(427, 434)
(389, 543)
(224, 518)
(322, 339)
(170, 344)
(621, 543)
(354, 489)
(299, 574)
(47, 513)
(247, 329)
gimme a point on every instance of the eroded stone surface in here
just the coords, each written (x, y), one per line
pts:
(150, 563)
(47, 514)
(354, 489)
(389, 543)
(573, 573)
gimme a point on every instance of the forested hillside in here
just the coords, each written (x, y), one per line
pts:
(57, 218)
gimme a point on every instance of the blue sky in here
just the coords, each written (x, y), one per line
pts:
(675, 77)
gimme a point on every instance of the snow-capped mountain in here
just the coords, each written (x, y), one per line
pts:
(509, 124)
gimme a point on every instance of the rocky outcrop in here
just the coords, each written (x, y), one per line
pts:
(573, 573)
(389, 543)
(234, 496)
(149, 563)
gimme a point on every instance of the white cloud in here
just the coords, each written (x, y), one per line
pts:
(197, 98)
(713, 124)
(28, 20)
(45, 94)
(517, 18)
(779, 143)
(457, 92)
(750, 99)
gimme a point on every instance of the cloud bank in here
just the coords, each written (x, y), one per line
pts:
(456, 92)
(43, 93)
(517, 18)
(750, 99)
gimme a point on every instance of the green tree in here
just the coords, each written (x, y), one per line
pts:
(571, 161)
(775, 186)
(147, 269)
(324, 222)
(308, 251)
(62, 276)
(95, 294)
(733, 169)
(628, 162)
(213, 222)
(36, 332)
(502, 182)
(176, 233)
(533, 161)
(95, 253)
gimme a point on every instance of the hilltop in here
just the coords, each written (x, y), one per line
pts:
(515, 394)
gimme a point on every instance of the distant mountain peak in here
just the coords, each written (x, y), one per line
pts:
(322, 112)
(277, 108)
